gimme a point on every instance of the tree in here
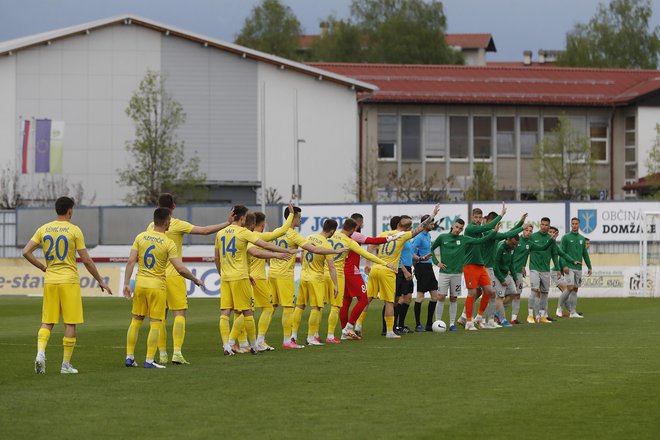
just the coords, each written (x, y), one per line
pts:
(158, 162)
(618, 35)
(564, 163)
(483, 184)
(653, 167)
(389, 31)
(272, 28)
(408, 187)
(10, 188)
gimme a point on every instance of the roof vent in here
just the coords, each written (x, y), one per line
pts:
(527, 57)
(541, 56)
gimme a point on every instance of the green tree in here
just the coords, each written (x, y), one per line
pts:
(483, 184)
(653, 167)
(618, 35)
(157, 160)
(564, 162)
(389, 31)
(273, 28)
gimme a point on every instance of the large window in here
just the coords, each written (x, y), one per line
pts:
(598, 139)
(435, 136)
(506, 145)
(529, 135)
(482, 137)
(458, 137)
(410, 137)
(387, 130)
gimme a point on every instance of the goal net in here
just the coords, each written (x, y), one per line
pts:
(650, 254)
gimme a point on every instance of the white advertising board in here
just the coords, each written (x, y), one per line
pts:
(313, 216)
(556, 212)
(612, 221)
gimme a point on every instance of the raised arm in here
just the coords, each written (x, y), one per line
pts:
(28, 255)
(488, 236)
(210, 229)
(323, 251)
(130, 265)
(422, 225)
(278, 232)
(368, 255)
(91, 268)
(274, 248)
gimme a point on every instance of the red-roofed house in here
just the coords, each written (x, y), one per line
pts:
(444, 119)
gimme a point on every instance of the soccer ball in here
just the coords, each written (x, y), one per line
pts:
(439, 327)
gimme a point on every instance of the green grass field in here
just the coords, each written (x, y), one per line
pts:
(598, 377)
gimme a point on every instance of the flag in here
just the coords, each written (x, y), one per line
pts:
(26, 138)
(56, 144)
(42, 146)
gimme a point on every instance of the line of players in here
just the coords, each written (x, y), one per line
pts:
(329, 276)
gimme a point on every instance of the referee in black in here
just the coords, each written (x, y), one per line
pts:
(426, 280)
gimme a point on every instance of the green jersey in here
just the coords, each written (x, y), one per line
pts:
(474, 252)
(503, 261)
(522, 250)
(452, 250)
(575, 245)
(540, 260)
(490, 245)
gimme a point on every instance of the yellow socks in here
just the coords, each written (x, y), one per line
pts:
(250, 329)
(361, 318)
(69, 344)
(389, 322)
(152, 340)
(178, 332)
(264, 320)
(132, 337)
(287, 317)
(224, 329)
(237, 328)
(332, 321)
(297, 317)
(162, 337)
(42, 340)
(314, 321)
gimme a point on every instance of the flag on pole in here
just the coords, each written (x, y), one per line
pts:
(42, 146)
(56, 146)
(26, 138)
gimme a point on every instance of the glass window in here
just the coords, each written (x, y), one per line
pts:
(631, 138)
(410, 137)
(550, 124)
(630, 155)
(434, 136)
(482, 134)
(387, 136)
(506, 136)
(631, 171)
(529, 135)
(458, 137)
(630, 123)
(598, 135)
(599, 150)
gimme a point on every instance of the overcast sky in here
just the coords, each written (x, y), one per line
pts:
(516, 25)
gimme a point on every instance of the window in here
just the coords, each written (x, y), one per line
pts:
(458, 137)
(529, 135)
(631, 140)
(434, 136)
(550, 128)
(598, 139)
(410, 137)
(631, 172)
(481, 130)
(387, 129)
(506, 145)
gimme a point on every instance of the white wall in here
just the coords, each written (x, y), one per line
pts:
(327, 121)
(647, 118)
(9, 126)
(86, 81)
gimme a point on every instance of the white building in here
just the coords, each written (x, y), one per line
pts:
(246, 110)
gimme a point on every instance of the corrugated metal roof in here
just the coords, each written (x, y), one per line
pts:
(544, 85)
(17, 44)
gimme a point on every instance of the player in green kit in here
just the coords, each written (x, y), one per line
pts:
(575, 245)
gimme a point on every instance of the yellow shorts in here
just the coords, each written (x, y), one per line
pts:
(149, 301)
(283, 291)
(177, 294)
(312, 293)
(330, 291)
(64, 299)
(381, 284)
(236, 295)
(262, 296)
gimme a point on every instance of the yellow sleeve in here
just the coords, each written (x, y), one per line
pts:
(298, 239)
(249, 236)
(407, 236)
(38, 235)
(171, 250)
(184, 227)
(135, 243)
(277, 233)
(355, 247)
(80, 239)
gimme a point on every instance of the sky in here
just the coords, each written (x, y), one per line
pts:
(516, 25)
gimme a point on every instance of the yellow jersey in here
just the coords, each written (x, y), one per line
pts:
(154, 251)
(60, 240)
(313, 265)
(258, 265)
(231, 243)
(391, 252)
(339, 240)
(176, 231)
(283, 269)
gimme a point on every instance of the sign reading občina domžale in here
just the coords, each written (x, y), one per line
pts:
(613, 221)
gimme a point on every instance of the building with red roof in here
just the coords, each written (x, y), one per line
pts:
(442, 120)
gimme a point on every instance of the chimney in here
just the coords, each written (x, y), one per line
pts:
(527, 57)
(323, 28)
(541, 56)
